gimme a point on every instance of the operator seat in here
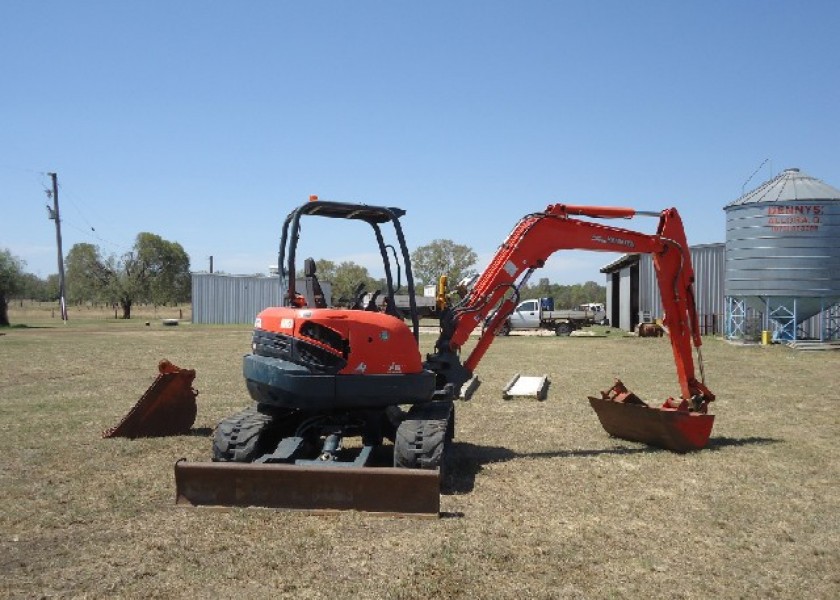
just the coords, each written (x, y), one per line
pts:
(312, 284)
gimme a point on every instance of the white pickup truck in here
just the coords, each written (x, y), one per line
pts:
(539, 313)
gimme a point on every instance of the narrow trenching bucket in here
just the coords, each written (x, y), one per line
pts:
(671, 426)
(312, 489)
(166, 408)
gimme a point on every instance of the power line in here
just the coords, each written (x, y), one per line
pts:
(90, 231)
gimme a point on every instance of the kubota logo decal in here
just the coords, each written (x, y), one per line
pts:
(361, 368)
(613, 240)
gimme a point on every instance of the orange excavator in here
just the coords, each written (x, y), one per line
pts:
(320, 376)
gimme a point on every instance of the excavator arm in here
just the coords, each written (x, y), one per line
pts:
(533, 240)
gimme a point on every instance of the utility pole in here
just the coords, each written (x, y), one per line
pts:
(54, 215)
(211, 264)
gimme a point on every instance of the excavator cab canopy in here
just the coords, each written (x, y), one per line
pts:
(375, 216)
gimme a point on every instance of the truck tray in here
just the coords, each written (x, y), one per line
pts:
(313, 489)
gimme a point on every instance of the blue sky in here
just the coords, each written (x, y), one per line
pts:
(206, 122)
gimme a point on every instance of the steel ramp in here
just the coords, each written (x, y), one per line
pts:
(313, 489)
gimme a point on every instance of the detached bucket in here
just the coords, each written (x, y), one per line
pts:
(167, 408)
(624, 415)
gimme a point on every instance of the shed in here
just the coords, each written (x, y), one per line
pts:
(237, 299)
(633, 293)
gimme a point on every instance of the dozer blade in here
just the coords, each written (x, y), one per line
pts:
(167, 408)
(624, 415)
(406, 492)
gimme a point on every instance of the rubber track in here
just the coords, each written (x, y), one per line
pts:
(421, 439)
(237, 437)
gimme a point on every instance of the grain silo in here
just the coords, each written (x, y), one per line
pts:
(783, 258)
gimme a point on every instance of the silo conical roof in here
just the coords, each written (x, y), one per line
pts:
(790, 185)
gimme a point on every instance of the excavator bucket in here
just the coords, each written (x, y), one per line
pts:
(167, 408)
(672, 426)
(312, 489)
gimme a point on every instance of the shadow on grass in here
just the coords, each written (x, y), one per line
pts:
(200, 432)
(468, 460)
(716, 443)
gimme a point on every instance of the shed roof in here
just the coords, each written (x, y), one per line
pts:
(789, 185)
(625, 260)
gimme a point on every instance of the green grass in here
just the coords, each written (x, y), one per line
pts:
(546, 504)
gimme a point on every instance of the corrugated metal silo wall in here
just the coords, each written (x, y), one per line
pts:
(783, 249)
(709, 275)
(228, 299)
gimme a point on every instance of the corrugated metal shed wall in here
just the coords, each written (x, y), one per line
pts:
(225, 299)
(625, 292)
(709, 275)
(220, 299)
(709, 262)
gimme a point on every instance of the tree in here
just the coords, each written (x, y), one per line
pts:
(11, 280)
(443, 257)
(346, 280)
(40, 290)
(325, 270)
(86, 274)
(154, 270)
(166, 266)
(566, 296)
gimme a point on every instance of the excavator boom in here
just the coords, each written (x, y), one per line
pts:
(533, 240)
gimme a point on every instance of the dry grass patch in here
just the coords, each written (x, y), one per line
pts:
(545, 505)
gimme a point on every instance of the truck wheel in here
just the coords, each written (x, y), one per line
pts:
(563, 329)
(504, 329)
